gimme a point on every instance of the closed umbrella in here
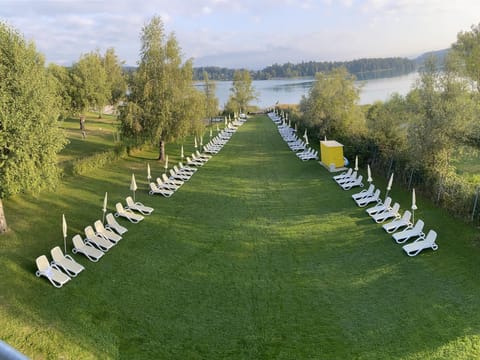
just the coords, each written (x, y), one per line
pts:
(64, 232)
(149, 175)
(211, 133)
(389, 186)
(414, 205)
(356, 163)
(295, 127)
(133, 185)
(195, 142)
(201, 141)
(104, 209)
(369, 174)
(166, 163)
(181, 152)
(305, 137)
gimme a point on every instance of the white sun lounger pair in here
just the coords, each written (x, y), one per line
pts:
(137, 206)
(127, 214)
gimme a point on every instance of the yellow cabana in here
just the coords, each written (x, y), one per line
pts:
(331, 152)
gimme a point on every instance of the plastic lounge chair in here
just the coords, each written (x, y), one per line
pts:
(421, 243)
(112, 224)
(364, 193)
(380, 207)
(91, 252)
(348, 178)
(187, 168)
(392, 213)
(194, 162)
(154, 189)
(375, 197)
(108, 234)
(166, 185)
(51, 272)
(127, 214)
(202, 156)
(177, 182)
(138, 206)
(394, 225)
(65, 262)
(179, 176)
(350, 184)
(97, 240)
(417, 231)
(343, 174)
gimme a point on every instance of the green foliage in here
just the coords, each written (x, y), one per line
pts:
(211, 100)
(467, 48)
(29, 108)
(115, 78)
(242, 92)
(330, 108)
(163, 104)
(94, 162)
(89, 83)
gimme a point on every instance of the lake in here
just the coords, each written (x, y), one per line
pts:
(290, 91)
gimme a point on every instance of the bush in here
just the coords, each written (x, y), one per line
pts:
(99, 160)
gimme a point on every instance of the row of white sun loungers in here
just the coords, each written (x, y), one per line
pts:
(101, 238)
(384, 210)
(297, 145)
(98, 240)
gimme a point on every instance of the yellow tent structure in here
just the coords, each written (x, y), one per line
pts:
(331, 152)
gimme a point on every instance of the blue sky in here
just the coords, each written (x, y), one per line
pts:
(249, 33)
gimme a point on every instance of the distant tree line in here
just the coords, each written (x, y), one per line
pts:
(363, 69)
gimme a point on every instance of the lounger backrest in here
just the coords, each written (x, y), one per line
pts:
(42, 263)
(376, 195)
(395, 208)
(431, 237)
(111, 219)
(89, 232)
(57, 254)
(78, 242)
(406, 216)
(129, 201)
(418, 228)
(165, 177)
(119, 208)
(99, 226)
(359, 179)
(387, 202)
(172, 173)
(153, 187)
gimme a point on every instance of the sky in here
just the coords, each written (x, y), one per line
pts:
(244, 33)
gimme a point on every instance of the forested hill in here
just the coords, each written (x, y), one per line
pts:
(362, 68)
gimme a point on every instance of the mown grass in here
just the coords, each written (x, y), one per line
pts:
(258, 256)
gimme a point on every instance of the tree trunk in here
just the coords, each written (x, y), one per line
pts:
(161, 154)
(3, 220)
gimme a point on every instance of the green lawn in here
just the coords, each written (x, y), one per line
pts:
(258, 256)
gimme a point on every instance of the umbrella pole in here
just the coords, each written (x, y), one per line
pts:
(65, 244)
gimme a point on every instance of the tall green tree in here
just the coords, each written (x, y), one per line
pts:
(242, 92)
(63, 88)
(29, 136)
(116, 82)
(90, 89)
(467, 48)
(162, 103)
(331, 105)
(211, 100)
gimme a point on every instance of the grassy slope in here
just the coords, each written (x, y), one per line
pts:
(258, 256)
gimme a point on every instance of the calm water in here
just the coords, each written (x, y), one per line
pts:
(290, 91)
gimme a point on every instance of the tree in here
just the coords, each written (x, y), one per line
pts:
(211, 100)
(331, 105)
(29, 136)
(63, 88)
(467, 48)
(163, 102)
(116, 83)
(242, 92)
(90, 86)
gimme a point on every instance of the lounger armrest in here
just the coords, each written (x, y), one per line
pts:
(69, 257)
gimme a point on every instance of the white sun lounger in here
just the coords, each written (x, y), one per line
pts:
(417, 231)
(392, 213)
(364, 193)
(187, 168)
(65, 262)
(51, 272)
(138, 206)
(421, 243)
(106, 233)
(179, 176)
(112, 224)
(343, 175)
(396, 224)
(166, 185)
(194, 162)
(350, 184)
(380, 207)
(375, 197)
(346, 179)
(127, 214)
(174, 181)
(91, 252)
(154, 189)
(97, 240)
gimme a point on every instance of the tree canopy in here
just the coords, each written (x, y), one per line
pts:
(29, 108)
(242, 92)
